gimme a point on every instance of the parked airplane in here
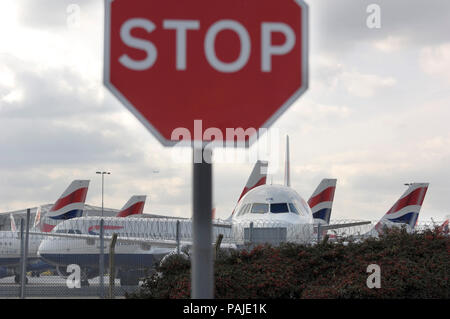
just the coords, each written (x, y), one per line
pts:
(281, 205)
(134, 206)
(130, 257)
(283, 200)
(405, 211)
(142, 242)
(69, 204)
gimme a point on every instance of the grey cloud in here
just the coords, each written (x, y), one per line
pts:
(58, 121)
(48, 14)
(52, 93)
(34, 142)
(57, 133)
(30, 187)
(339, 25)
(41, 143)
(380, 190)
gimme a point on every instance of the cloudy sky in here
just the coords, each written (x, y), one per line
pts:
(376, 114)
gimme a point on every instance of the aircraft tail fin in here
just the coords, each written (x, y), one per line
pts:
(321, 201)
(37, 218)
(69, 205)
(13, 223)
(444, 227)
(257, 178)
(287, 168)
(134, 206)
(405, 211)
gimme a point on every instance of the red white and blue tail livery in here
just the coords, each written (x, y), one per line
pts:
(69, 205)
(37, 218)
(257, 178)
(13, 223)
(405, 211)
(321, 201)
(444, 227)
(134, 206)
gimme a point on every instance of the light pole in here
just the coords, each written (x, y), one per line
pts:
(103, 183)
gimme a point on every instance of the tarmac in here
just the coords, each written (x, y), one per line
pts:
(56, 287)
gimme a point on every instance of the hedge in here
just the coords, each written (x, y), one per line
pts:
(412, 266)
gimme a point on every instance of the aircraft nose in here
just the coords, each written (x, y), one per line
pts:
(41, 247)
(46, 250)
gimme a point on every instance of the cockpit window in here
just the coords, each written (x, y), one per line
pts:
(258, 208)
(293, 209)
(279, 208)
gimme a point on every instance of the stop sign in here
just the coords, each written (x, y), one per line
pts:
(198, 69)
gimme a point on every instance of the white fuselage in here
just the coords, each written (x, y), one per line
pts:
(275, 203)
(64, 251)
(10, 248)
(278, 207)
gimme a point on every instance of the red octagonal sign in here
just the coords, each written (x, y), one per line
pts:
(202, 70)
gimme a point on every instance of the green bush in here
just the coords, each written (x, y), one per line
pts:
(412, 266)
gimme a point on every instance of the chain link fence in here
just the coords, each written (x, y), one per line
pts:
(105, 266)
(67, 267)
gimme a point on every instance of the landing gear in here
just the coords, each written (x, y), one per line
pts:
(17, 279)
(85, 275)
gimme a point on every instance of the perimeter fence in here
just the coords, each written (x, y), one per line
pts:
(99, 257)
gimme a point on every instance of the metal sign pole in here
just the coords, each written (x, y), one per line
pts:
(24, 254)
(103, 185)
(27, 237)
(22, 258)
(318, 233)
(178, 237)
(251, 234)
(202, 270)
(102, 260)
(112, 269)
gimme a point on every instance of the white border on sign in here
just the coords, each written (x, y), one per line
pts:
(305, 83)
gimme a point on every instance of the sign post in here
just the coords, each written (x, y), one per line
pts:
(197, 72)
(202, 270)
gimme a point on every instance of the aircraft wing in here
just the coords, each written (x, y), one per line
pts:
(130, 240)
(222, 225)
(151, 241)
(337, 226)
(169, 243)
